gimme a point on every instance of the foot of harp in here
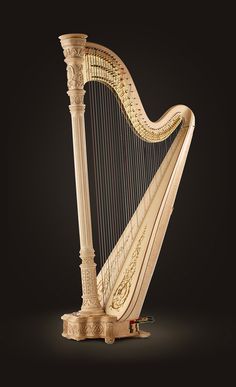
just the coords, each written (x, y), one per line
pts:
(144, 334)
(108, 340)
(79, 327)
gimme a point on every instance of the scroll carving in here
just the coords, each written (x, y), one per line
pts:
(104, 282)
(121, 293)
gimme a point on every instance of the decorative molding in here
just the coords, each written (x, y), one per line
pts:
(76, 96)
(85, 329)
(74, 52)
(79, 327)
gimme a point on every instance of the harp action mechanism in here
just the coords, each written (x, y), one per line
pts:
(113, 299)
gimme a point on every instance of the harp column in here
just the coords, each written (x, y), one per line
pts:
(74, 52)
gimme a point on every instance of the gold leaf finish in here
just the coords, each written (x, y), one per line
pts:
(122, 291)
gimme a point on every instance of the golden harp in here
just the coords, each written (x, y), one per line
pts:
(137, 166)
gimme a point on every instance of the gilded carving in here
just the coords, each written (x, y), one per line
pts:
(104, 282)
(122, 291)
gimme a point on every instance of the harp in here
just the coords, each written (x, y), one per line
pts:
(135, 166)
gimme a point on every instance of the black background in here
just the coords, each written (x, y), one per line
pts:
(175, 55)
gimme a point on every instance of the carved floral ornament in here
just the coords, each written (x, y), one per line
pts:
(75, 79)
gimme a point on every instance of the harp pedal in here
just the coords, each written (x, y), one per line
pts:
(134, 324)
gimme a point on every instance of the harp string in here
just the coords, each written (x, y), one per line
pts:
(101, 111)
(99, 106)
(118, 189)
(106, 156)
(119, 205)
(108, 152)
(123, 199)
(92, 115)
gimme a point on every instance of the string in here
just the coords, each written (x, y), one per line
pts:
(123, 194)
(96, 164)
(107, 170)
(99, 139)
(115, 186)
(118, 149)
(103, 170)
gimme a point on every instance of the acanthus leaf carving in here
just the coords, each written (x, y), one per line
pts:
(75, 79)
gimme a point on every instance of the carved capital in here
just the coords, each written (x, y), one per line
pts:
(74, 51)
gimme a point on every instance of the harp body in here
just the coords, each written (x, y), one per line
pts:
(113, 299)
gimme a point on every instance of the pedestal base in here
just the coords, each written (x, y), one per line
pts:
(79, 327)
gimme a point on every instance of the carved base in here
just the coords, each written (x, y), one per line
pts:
(79, 327)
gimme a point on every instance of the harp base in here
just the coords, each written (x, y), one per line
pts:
(78, 327)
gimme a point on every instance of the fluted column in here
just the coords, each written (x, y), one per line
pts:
(74, 52)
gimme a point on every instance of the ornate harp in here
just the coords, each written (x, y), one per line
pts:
(137, 166)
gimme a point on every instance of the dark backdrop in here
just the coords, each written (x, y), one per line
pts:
(175, 55)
